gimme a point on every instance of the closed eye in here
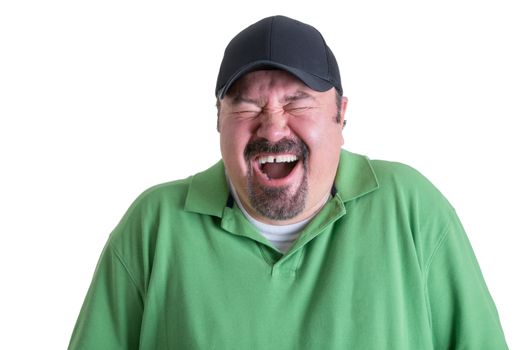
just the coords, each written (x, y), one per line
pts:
(246, 113)
(298, 109)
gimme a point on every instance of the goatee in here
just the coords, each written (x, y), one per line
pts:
(277, 203)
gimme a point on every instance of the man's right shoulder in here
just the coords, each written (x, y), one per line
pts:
(174, 193)
(163, 193)
(161, 206)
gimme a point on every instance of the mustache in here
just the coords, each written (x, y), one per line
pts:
(293, 146)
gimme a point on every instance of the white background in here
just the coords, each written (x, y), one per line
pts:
(100, 100)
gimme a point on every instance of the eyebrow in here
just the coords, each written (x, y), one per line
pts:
(299, 95)
(238, 99)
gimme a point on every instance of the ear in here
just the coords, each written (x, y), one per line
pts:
(344, 104)
(342, 121)
(218, 105)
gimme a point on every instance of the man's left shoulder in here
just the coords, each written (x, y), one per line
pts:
(396, 178)
(400, 174)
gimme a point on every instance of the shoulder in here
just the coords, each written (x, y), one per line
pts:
(401, 191)
(401, 177)
(407, 183)
(418, 201)
(408, 202)
(171, 193)
(391, 172)
(143, 215)
(383, 178)
(171, 203)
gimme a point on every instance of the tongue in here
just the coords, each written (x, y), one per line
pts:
(277, 170)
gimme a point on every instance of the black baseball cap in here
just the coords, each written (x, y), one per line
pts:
(280, 42)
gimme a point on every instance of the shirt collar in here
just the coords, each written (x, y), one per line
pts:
(355, 176)
(208, 190)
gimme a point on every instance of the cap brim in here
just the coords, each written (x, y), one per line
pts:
(312, 81)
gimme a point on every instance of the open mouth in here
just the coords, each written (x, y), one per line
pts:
(277, 166)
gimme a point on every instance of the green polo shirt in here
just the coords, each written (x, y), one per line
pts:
(384, 265)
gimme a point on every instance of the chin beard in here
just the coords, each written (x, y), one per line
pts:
(278, 203)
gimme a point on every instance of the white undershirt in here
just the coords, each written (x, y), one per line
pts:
(281, 237)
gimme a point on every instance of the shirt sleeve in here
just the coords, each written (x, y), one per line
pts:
(462, 312)
(111, 315)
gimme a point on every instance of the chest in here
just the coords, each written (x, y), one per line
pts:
(341, 290)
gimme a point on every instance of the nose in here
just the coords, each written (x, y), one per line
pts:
(274, 126)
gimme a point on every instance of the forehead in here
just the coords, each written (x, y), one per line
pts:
(265, 80)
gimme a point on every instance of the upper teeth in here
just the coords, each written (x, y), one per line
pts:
(277, 159)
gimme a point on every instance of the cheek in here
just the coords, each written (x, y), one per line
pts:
(324, 142)
(320, 137)
(233, 140)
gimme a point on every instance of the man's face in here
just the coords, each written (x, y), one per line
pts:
(280, 143)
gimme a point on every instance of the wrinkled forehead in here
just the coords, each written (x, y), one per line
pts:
(261, 81)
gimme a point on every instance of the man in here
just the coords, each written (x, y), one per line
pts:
(289, 242)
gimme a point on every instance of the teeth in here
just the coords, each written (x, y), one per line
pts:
(277, 159)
